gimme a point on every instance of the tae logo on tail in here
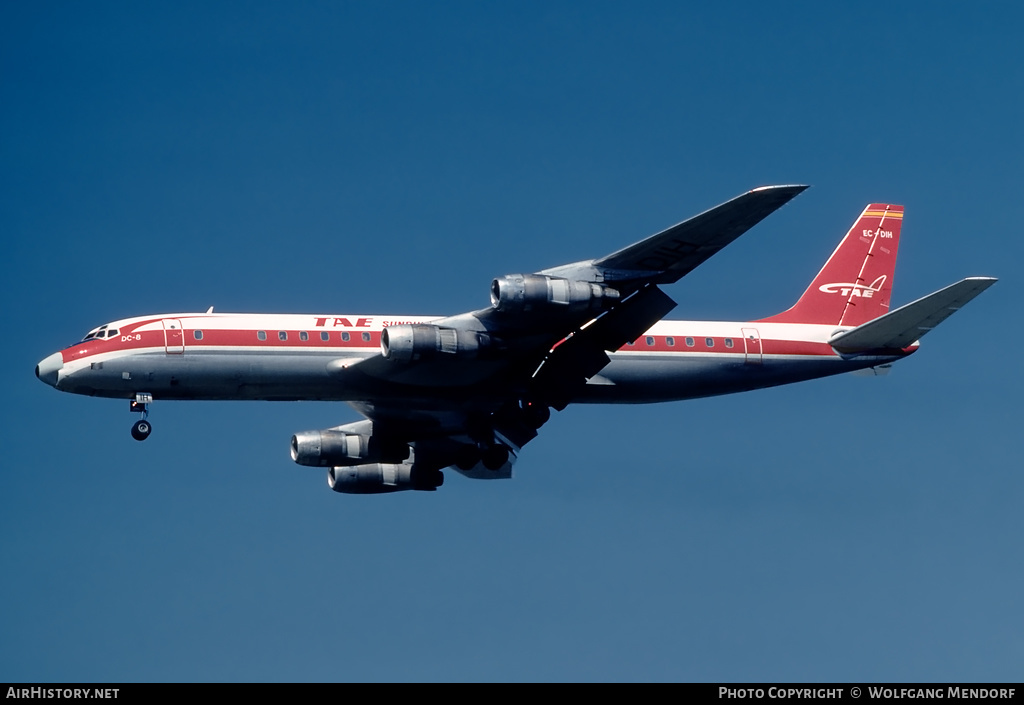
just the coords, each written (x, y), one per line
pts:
(847, 289)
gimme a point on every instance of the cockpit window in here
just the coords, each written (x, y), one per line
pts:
(100, 333)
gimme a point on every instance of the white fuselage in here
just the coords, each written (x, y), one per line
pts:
(293, 357)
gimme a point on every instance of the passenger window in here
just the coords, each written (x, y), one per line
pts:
(689, 342)
(324, 335)
(728, 342)
(197, 334)
(710, 342)
(649, 341)
(303, 335)
(366, 337)
(262, 334)
(345, 336)
(282, 335)
(670, 341)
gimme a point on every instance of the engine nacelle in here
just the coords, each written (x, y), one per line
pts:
(331, 447)
(518, 293)
(378, 478)
(417, 341)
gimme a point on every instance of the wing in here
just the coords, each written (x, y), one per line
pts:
(673, 253)
(486, 378)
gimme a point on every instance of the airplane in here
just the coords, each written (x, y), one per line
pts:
(468, 392)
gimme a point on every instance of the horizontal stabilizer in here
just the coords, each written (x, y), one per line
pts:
(907, 324)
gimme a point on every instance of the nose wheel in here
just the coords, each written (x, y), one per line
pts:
(141, 430)
(140, 405)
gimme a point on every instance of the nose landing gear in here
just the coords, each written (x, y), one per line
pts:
(140, 405)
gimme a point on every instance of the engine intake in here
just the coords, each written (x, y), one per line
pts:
(329, 448)
(378, 478)
(417, 341)
(519, 293)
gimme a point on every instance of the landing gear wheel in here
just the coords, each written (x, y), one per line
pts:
(494, 457)
(467, 457)
(141, 430)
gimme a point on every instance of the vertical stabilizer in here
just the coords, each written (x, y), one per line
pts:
(855, 284)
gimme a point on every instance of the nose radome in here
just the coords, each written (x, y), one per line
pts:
(48, 368)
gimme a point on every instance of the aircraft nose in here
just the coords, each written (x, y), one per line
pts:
(48, 368)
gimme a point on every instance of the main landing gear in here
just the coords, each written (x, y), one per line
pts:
(493, 455)
(140, 405)
(517, 422)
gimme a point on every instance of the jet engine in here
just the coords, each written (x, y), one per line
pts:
(378, 478)
(416, 341)
(518, 293)
(333, 447)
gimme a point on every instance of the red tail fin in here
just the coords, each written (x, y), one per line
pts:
(855, 284)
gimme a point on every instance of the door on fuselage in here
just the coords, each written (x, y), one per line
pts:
(751, 345)
(174, 338)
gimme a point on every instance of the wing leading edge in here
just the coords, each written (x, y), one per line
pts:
(673, 253)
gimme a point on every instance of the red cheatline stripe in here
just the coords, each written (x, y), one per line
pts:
(227, 339)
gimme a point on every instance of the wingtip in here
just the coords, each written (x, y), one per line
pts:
(793, 188)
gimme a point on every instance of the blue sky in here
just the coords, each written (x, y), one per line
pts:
(391, 158)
